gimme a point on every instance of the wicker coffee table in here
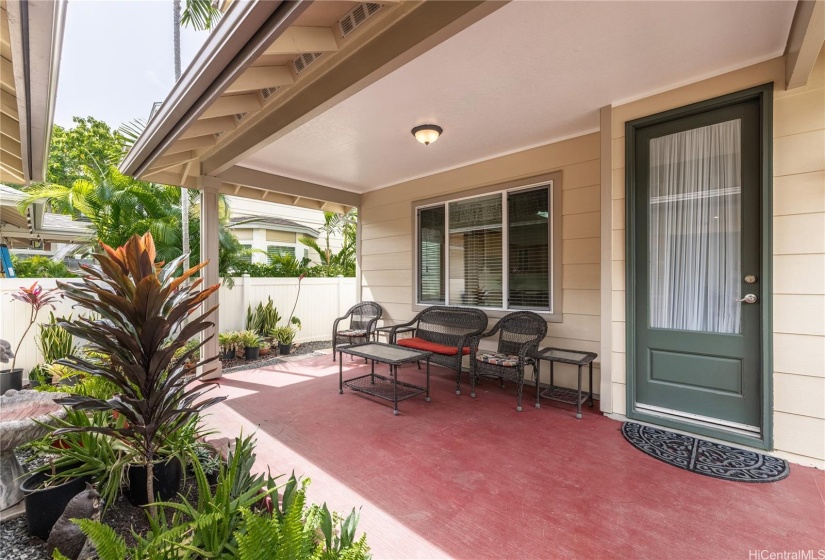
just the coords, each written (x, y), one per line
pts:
(387, 388)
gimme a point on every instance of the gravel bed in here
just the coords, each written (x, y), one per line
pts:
(304, 348)
(16, 544)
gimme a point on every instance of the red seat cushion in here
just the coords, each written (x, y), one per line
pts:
(426, 346)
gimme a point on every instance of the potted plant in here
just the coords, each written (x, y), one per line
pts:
(263, 319)
(36, 298)
(146, 315)
(284, 335)
(76, 458)
(209, 460)
(46, 495)
(251, 343)
(39, 375)
(228, 342)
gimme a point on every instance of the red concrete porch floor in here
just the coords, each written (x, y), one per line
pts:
(472, 478)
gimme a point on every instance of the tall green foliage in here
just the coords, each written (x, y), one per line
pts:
(84, 181)
(39, 267)
(342, 262)
(147, 316)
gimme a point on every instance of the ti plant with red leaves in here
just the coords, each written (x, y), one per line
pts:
(36, 298)
(146, 316)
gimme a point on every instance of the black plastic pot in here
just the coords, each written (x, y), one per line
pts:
(252, 353)
(228, 355)
(284, 349)
(166, 475)
(44, 506)
(11, 379)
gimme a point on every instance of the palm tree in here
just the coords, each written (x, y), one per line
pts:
(200, 15)
(119, 206)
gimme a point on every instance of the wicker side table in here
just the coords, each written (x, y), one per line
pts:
(563, 394)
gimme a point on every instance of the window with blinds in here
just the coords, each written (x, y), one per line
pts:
(498, 255)
(476, 251)
(529, 249)
(279, 250)
(431, 255)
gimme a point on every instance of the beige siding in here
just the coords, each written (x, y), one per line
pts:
(799, 247)
(387, 238)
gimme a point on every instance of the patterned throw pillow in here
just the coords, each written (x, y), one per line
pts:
(497, 359)
(352, 332)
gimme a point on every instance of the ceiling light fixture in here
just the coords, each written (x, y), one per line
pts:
(427, 133)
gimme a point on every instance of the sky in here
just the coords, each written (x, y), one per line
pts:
(117, 59)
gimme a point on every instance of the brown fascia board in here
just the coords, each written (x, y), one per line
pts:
(36, 34)
(424, 26)
(242, 34)
(284, 185)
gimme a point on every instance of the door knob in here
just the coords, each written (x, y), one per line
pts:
(750, 298)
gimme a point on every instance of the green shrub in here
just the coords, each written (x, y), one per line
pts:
(263, 319)
(242, 518)
(40, 267)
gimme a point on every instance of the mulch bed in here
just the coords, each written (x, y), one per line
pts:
(122, 516)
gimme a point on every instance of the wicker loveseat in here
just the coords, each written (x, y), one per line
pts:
(446, 332)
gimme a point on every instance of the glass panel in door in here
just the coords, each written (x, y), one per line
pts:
(695, 229)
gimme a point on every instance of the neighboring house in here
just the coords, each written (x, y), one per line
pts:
(31, 36)
(38, 232)
(648, 176)
(277, 229)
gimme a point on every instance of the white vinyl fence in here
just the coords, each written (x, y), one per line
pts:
(321, 300)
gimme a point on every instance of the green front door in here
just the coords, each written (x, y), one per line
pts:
(696, 271)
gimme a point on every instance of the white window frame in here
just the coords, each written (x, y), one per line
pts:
(552, 182)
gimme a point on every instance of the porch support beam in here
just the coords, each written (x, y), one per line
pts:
(209, 126)
(261, 77)
(805, 41)
(606, 252)
(299, 40)
(195, 143)
(417, 29)
(210, 192)
(285, 185)
(233, 105)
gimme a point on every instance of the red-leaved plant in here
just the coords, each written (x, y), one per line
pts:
(36, 298)
(146, 316)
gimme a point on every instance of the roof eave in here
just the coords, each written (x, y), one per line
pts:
(36, 32)
(245, 29)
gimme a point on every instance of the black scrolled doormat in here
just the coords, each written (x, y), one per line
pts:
(705, 457)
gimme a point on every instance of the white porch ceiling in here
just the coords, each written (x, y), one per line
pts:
(529, 74)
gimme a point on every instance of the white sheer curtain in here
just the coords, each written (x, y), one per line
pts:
(694, 236)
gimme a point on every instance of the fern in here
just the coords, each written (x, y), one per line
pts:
(109, 545)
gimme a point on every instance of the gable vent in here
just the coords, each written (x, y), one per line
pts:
(302, 62)
(268, 92)
(355, 17)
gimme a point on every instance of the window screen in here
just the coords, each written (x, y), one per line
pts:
(529, 249)
(431, 255)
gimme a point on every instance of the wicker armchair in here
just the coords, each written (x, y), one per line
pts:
(520, 333)
(362, 319)
(446, 332)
